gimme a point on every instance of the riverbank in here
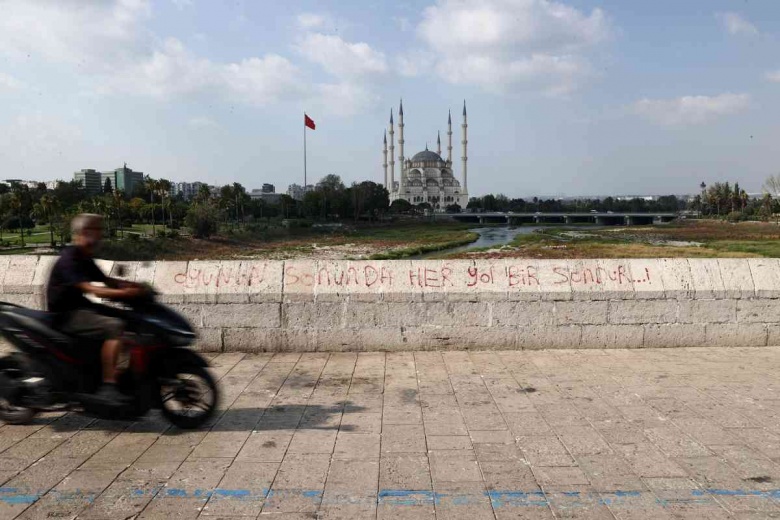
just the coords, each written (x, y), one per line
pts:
(331, 242)
(688, 239)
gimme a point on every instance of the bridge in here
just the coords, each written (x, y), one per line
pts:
(600, 218)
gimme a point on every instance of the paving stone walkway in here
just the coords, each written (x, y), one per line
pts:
(628, 434)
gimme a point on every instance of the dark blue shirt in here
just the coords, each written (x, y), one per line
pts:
(71, 269)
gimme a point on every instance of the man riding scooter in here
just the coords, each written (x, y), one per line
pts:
(75, 275)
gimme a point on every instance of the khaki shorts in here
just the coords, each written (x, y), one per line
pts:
(92, 325)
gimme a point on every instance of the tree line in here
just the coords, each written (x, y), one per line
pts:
(227, 208)
(230, 207)
(721, 200)
(490, 202)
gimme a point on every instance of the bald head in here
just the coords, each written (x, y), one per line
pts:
(87, 231)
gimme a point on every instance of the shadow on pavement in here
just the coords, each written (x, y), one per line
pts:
(279, 417)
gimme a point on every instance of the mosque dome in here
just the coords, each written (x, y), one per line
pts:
(427, 156)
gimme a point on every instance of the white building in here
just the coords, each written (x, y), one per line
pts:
(295, 191)
(188, 190)
(426, 177)
(267, 197)
(30, 184)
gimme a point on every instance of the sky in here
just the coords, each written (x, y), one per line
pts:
(565, 98)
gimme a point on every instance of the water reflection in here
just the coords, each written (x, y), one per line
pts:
(488, 237)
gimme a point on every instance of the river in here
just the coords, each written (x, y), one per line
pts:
(488, 237)
(498, 236)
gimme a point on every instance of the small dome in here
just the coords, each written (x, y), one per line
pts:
(427, 156)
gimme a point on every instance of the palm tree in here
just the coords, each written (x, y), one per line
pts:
(16, 206)
(46, 208)
(736, 197)
(766, 204)
(117, 201)
(703, 187)
(152, 185)
(4, 208)
(203, 195)
(164, 188)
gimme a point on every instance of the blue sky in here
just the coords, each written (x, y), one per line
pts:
(568, 97)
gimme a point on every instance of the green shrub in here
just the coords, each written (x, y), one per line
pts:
(735, 216)
(203, 220)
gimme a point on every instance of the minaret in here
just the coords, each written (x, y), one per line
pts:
(384, 161)
(401, 171)
(438, 143)
(465, 155)
(449, 137)
(392, 151)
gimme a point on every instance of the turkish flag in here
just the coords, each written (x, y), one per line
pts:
(308, 121)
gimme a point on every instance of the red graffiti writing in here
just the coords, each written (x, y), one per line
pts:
(485, 276)
(526, 276)
(222, 276)
(593, 276)
(293, 277)
(353, 276)
(428, 277)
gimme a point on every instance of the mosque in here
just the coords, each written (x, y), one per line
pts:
(426, 177)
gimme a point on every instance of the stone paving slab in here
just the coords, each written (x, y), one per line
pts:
(615, 434)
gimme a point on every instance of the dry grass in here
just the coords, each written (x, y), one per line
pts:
(703, 231)
(699, 239)
(596, 250)
(393, 241)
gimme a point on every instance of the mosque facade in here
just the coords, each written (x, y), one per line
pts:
(426, 177)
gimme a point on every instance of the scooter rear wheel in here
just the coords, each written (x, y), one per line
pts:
(189, 397)
(12, 411)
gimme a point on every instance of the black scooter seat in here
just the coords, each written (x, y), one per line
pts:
(46, 318)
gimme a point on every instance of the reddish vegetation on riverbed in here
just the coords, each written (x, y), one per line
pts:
(692, 239)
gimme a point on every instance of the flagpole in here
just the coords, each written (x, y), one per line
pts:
(304, 154)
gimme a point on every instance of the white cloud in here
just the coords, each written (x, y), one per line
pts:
(89, 34)
(170, 70)
(181, 4)
(735, 24)
(37, 141)
(114, 53)
(340, 58)
(343, 99)
(260, 81)
(415, 62)
(688, 110)
(173, 70)
(773, 76)
(8, 82)
(503, 43)
(109, 45)
(356, 68)
(311, 20)
(553, 75)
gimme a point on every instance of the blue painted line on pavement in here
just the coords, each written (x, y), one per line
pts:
(404, 497)
(401, 497)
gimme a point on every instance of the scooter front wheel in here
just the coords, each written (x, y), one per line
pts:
(12, 408)
(189, 396)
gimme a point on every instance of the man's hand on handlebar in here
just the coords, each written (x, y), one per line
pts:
(133, 292)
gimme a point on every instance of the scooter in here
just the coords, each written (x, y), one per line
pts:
(51, 370)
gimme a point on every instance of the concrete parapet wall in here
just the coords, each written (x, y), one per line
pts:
(502, 304)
